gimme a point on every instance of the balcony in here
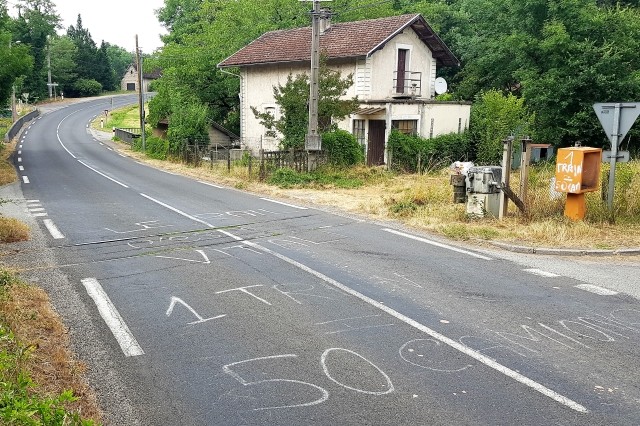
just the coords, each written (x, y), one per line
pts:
(407, 84)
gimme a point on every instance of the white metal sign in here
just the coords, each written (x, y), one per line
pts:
(628, 113)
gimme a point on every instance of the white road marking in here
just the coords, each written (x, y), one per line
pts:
(39, 214)
(541, 273)
(53, 229)
(110, 149)
(434, 243)
(180, 212)
(33, 201)
(21, 168)
(20, 147)
(19, 159)
(489, 362)
(37, 209)
(19, 152)
(122, 155)
(284, 204)
(114, 321)
(102, 174)
(26, 132)
(58, 133)
(25, 179)
(101, 144)
(210, 184)
(596, 289)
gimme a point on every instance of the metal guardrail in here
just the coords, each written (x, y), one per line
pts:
(127, 135)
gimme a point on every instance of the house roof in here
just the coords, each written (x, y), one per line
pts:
(153, 75)
(341, 40)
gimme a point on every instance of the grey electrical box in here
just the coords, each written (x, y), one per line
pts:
(484, 180)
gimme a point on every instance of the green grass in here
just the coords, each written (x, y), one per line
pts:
(325, 177)
(5, 124)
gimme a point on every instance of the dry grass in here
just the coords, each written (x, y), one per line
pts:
(12, 230)
(425, 202)
(7, 171)
(27, 312)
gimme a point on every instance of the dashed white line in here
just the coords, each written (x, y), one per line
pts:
(32, 201)
(601, 291)
(26, 132)
(112, 318)
(436, 244)
(21, 168)
(20, 147)
(284, 204)
(53, 229)
(36, 209)
(38, 214)
(110, 149)
(541, 273)
(19, 159)
(19, 152)
(101, 144)
(102, 174)
(210, 184)
(25, 179)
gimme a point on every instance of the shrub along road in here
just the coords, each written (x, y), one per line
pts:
(208, 305)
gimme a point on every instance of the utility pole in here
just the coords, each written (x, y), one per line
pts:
(140, 94)
(49, 84)
(313, 138)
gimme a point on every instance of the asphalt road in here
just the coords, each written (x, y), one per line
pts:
(198, 304)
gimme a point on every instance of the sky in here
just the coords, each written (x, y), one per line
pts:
(115, 21)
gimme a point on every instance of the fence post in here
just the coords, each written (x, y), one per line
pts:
(250, 161)
(262, 170)
(229, 161)
(419, 163)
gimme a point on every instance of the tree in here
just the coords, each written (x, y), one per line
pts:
(103, 71)
(120, 59)
(63, 66)
(36, 22)
(86, 53)
(293, 100)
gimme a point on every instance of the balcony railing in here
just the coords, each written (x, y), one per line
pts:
(407, 84)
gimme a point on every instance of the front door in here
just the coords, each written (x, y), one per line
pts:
(375, 150)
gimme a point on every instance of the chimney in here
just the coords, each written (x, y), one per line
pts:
(325, 20)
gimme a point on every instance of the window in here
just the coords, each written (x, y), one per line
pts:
(359, 131)
(408, 127)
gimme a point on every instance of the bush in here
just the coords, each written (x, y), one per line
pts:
(342, 148)
(188, 123)
(84, 87)
(155, 147)
(434, 153)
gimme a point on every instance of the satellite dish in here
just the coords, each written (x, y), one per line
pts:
(440, 86)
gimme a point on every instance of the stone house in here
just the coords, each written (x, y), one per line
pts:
(129, 81)
(393, 62)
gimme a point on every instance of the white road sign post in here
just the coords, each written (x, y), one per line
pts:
(616, 119)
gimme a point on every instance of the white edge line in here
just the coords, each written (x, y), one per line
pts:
(53, 229)
(596, 289)
(210, 184)
(541, 273)
(25, 179)
(58, 133)
(21, 168)
(447, 341)
(114, 321)
(284, 204)
(102, 174)
(180, 212)
(434, 243)
(19, 159)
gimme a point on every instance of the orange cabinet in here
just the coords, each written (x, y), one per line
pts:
(578, 169)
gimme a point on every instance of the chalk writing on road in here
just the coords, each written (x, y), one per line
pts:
(200, 319)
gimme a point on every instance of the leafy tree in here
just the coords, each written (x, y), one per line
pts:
(63, 66)
(342, 148)
(86, 87)
(495, 116)
(120, 59)
(14, 57)
(36, 22)
(293, 100)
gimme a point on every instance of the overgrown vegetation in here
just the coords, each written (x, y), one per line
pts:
(342, 148)
(412, 154)
(325, 178)
(30, 339)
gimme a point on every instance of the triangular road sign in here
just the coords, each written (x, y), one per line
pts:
(629, 111)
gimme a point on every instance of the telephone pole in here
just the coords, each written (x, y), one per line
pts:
(140, 94)
(49, 84)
